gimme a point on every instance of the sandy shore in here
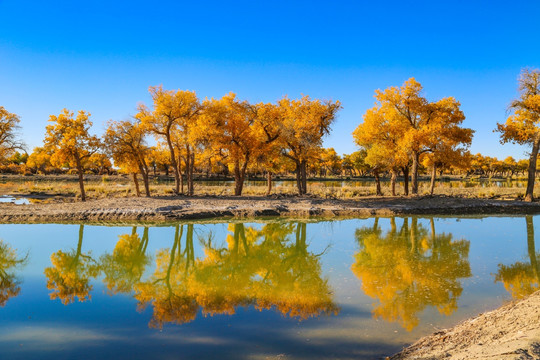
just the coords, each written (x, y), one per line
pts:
(158, 209)
(510, 332)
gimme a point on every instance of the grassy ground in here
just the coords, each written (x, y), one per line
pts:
(66, 188)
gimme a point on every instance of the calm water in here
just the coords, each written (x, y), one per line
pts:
(278, 290)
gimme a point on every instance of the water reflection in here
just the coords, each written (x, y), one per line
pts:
(521, 278)
(263, 268)
(70, 275)
(125, 266)
(10, 262)
(167, 289)
(408, 269)
(267, 268)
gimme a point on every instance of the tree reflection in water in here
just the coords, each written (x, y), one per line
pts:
(408, 269)
(167, 289)
(264, 268)
(70, 275)
(521, 279)
(9, 263)
(125, 266)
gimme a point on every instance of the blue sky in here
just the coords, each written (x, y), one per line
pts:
(101, 56)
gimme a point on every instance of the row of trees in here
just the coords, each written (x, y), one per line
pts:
(403, 133)
(234, 132)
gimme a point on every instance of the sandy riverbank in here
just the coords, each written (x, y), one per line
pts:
(156, 209)
(510, 332)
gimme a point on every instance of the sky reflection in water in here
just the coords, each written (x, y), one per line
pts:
(344, 289)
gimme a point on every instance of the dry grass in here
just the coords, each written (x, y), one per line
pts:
(100, 187)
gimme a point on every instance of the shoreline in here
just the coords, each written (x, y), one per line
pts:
(173, 208)
(511, 331)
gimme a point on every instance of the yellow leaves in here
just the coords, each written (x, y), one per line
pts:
(403, 125)
(304, 123)
(69, 138)
(125, 140)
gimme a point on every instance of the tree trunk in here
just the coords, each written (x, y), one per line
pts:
(529, 196)
(174, 165)
(146, 183)
(433, 176)
(414, 173)
(81, 177)
(378, 191)
(393, 182)
(239, 177)
(405, 171)
(181, 174)
(298, 177)
(304, 176)
(136, 182)
(189, 171)
(143, 169)
(268, 183)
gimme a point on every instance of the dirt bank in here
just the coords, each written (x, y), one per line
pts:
(510, 332)
(157, 209)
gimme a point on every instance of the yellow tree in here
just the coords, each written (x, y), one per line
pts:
(99, 163)
(170, 110)
(445, 156)
(70, 142)
(125, 141)
(423, 124)
(523, 126)
(380, 137)
(229, 127)
(187, 139)
(9, 125)
(304, 123)
(267, 131)
(330, 162)
(39, 160)
(510, 165)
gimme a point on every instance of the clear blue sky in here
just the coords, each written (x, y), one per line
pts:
(101, 56)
